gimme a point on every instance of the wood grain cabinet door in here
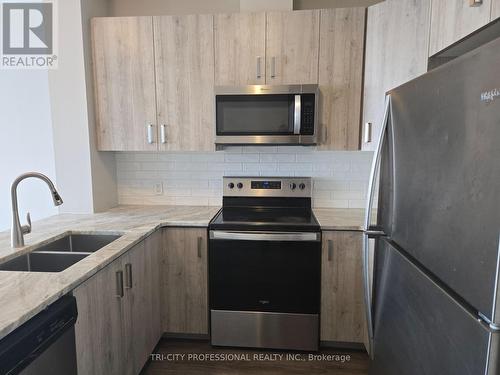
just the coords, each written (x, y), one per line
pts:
(292, 47)
(240, 49)
(100, 329)
(397, 44)
(184, 292)
(140, 265)
(495, 9)
(452, 20)
(184, 56)
(342, 303)
(124, 79)
(342, 36)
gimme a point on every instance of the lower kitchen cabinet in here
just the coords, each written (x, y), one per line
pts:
(342, 306)
(141, 283)
(118, 322)
(184, 289)
(99, 330)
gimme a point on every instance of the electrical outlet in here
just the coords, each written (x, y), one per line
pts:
(158, 188)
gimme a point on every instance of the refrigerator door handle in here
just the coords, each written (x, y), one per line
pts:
(367, 230)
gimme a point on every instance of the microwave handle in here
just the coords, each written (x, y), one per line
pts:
(297, 115)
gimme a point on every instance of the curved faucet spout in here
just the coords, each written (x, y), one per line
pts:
(18, 231)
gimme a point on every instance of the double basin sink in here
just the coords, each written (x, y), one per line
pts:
(60, 254)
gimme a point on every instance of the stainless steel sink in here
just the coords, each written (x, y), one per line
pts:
(76, 242)
(43, 262)
(60, 254)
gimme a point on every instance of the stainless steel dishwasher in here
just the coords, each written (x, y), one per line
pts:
(43, 345)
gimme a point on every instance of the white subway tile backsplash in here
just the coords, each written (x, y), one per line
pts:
(349, 195)
(277, 157)
(242, 157)
(340, 178)
(302, 167)
(257, 167)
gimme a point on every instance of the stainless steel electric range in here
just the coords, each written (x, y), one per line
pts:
(265, 265)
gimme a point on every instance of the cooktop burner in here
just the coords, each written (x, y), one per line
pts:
(263, 203)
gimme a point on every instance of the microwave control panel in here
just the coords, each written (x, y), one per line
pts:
(307, 116)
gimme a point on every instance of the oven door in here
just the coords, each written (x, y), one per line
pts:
(265, 271)
(264, 288)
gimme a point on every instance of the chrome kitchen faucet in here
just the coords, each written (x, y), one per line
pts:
(18, 231)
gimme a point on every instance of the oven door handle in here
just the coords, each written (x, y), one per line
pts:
(265, 236)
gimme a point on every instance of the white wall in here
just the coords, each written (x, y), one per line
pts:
(25, 142)
(321, 4)
(265, 5)
(104, 190)
(69, 113)
(86, 177)
(340, 178)
(159, 7)
(46, 125)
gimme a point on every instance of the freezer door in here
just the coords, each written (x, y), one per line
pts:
(445, 174)
(419, 328)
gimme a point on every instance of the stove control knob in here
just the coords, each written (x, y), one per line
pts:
(230, 185)
(240, 185)
(293, 186)
(302, 186)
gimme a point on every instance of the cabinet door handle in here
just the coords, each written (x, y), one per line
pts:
(119, 284)
(151, 137)
(163, 136)
(128, 276)
(330, 250)
(273, 67)
(475, 3)
(367, 132)
(200, 244)
(259, 73)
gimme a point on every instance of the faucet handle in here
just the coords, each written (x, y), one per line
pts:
(27, 228)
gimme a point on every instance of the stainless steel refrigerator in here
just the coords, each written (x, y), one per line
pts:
(434, 308)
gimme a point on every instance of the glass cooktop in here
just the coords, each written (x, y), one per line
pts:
(287, 219)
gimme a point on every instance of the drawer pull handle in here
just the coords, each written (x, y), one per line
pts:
(259, 73)
(150, 133)
(200, 242)
(273, 67)
(119, 284)
(367, 133)
(128, 276)
(330, 250)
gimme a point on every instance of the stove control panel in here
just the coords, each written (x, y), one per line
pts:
(300, 187)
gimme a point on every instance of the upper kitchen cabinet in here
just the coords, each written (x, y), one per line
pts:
(292, 47)
(184, 52)
(124, 83)
(495, 9)
(452, 20)
(342, 37)
(397, 44)
(240, 49)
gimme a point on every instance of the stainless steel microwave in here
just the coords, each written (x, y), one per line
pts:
(264, 114)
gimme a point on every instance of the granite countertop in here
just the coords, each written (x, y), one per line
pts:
(24, 294)
(340, 218)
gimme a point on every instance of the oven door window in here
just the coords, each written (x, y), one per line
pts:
(265, 276)
(254, 114)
